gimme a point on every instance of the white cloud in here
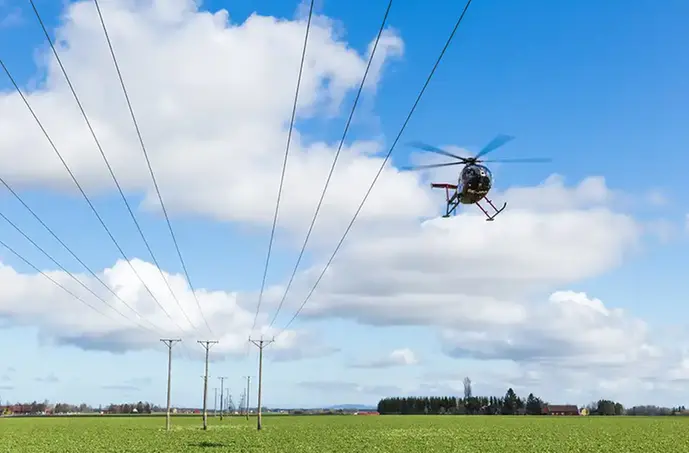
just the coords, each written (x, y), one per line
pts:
(213, 100)
(398, 357)
(657, 197)
(464, 271)
(65, 320)
(664, 230)
(570, 330)
(10, 17)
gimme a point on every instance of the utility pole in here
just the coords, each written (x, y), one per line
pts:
(207, 345)
(169, 342)
(215, 402)
(260, 344)
(248, 387)
(222, 387)
(242, 404)
(230, 404)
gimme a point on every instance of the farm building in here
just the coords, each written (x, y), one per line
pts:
(565, 409)
(16, 409)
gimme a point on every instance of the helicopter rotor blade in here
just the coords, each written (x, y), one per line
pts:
(434, 149)
(532, 160)
(494, 144)
(425, 167)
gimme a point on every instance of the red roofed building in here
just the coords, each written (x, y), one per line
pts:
(564, 409)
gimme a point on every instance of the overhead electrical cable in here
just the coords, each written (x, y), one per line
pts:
(332, 167)
(284, 165)
(150, 168)
(83, 193)
(27, 262)
(70, 251)
(71, 275)
(112, 174)
(382, 166)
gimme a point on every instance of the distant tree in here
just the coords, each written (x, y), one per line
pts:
(605, 407)
(534, 406)
(510, 403)
(467, 388)
(619, 409)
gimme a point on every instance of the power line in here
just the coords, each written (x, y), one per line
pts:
(83, 193)
(70, 251)
(332, 167)
(112, 174)
(66, 247)
(284, 164)
(47, 255)
(382, 166)
(150, 168)
(55, 282)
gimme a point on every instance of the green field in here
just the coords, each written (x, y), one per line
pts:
(398, 434)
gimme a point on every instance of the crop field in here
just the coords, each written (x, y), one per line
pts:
(398, 434)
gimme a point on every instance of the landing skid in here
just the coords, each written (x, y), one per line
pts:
(451, 208)
(490, 218)
(453, 202)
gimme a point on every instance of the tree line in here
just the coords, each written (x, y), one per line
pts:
(509, 404)
(35, 407)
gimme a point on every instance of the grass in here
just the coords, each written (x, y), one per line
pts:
(394, 434)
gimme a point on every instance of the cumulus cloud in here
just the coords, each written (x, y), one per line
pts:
(64, 319)
(213, 99)
(293, 345)
(571, 329)
(398, 357)
(463, 271)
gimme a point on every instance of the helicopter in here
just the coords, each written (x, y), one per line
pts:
(475, 179)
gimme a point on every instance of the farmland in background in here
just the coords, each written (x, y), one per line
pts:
(394, 434)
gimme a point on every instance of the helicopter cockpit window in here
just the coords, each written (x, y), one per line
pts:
(488, 172)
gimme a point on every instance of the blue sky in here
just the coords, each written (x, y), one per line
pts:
(599, 87)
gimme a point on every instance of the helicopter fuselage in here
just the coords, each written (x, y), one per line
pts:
(474, 183)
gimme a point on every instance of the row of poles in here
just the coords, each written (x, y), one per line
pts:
(207, 345)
